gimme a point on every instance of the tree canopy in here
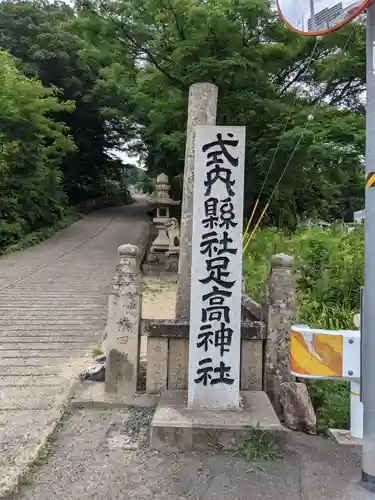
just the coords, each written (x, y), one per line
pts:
(47, 40)
(32, 148)
(269, 78)
(118, 72)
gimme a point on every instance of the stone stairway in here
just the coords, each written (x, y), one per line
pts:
(53, 309)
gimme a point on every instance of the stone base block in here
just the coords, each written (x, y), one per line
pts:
(93, 395)
(174, 426)
(161, 263)
(343, 437)
(164, 278)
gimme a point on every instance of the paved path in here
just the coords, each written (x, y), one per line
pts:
(53, 308)
(91, 461)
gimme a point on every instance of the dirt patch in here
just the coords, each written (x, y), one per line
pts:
(159, 300)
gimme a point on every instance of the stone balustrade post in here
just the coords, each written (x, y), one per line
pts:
(280, 314)
(123, 327)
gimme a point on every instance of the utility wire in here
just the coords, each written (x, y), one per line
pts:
(291, 156)
(279, 142)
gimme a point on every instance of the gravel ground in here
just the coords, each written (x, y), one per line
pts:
(136, 427)
(95, 458)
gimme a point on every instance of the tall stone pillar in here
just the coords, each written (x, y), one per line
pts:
(201, 111)
(281, 309)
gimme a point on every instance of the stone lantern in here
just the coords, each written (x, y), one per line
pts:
(166, 243)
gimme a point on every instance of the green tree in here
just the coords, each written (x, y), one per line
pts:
(47, 39)
(32, 148)
(266, 81)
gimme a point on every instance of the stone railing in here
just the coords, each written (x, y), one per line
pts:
(250, 309)
(278, 314)
(124, 315)
(168, 347)
(265, 335)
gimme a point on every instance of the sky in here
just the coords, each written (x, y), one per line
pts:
(125, 158)
(298, 13)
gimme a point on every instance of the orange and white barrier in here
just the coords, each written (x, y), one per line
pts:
(328, 354)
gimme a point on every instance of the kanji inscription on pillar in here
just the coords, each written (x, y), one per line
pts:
(216, 271)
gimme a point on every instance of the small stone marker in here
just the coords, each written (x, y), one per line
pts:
(124, 313)
(216, 273)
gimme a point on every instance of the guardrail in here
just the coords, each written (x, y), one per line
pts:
(333, 355)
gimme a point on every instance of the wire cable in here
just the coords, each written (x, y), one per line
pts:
(279, 142)
(292, 155)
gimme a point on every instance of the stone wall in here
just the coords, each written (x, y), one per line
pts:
(168, 347)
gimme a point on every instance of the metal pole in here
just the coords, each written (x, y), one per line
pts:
(356, 411)
(368, 351)
(312, 15)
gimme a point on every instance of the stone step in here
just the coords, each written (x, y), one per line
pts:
(35, 361)
(21, 347)
(36, 322)
(97, 291)
(38, 353)
(175, 427)
(24, 340)
(61, 317)
(28, 371)
(27, 306)
(18, 398)
(29, 381)
(47, 294)
(44, 329)
(52, 304)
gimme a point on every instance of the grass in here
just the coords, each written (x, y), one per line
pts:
(71, 215)
(329, 271)
(258, 445)
(97, 351)
(214, 444)
(45, 450)
(255, 445)
(36, 237)
(331, 401)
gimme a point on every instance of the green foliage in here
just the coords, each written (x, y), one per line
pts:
(258, 444)
(58, 117)
(214, 444)
(31, 152)
(258, 65)
(331, 401)
(97, 351)
(329, 268)
(46, 232)
(127, 66)
(52, 44)
(139, 178)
